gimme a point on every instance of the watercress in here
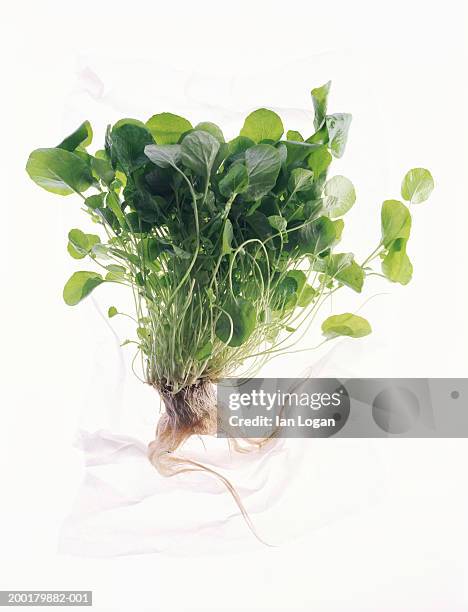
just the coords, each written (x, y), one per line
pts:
(229, 247)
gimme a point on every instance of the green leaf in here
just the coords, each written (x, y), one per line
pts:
(228, 235)
(339, 227)
(116, 272)
(333, 263)
(59, 171)
(306, 296)
(74, 252)
(319, 99)
(352, 276)
(80, 244)
(312, 208)
(396, 265)
(211, 128)
(113, 203)
(263, 165)
(300, 179)
(103, 170)
(112, 312)
(396, 222)
(198, 152)
(317, 236)
(241, 318)
(234, 181)
(320, 137)
(78, 239)
(277, 222)
(294, 136)
(417, 185)
(260, 226)
(262, 124)
(167, 128)
(343, 268)
(286, 294)
(128, 141)
(299, 276)
(204, 352)
(338, 127)
(95, 201)
(80, 285)
(164, 156)
(239, 145)
(298, 151)
(83, 136)
(319, 160)
(346, 324)
(339, 195)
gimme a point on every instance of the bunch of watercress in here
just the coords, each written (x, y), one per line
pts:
(230, 248)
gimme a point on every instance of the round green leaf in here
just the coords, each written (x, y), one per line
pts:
(346, 324)
(352, 276)
(211, 128)
(128, 140)
(198, 152)
(234, 181)
(343, 268)
(262, 124)
(241, 320)
(83, 136)
(103, 170)
(294, 136)
(319, 99)
(239, 145)
(167, 128)
(296, 152)
(306, 296)
(417, 185)
(300, 179)
(95, 201)
(339, 196)
(299, 277)
(286, 294)
(74, 252)
(339, 227)
(79, 285)
(59, 171)
(396, 264)
(317, 236)
(164, 156)
(277, 222)
(396, 222)
(80, 244)
(263, 165)
(338, 127)
(319, 160)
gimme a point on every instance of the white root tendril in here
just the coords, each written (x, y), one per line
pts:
(192, 411)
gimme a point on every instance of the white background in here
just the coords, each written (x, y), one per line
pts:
(400, 68)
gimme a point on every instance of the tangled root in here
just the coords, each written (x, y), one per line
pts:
(192, 411)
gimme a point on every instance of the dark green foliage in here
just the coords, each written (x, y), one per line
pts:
(223, 243)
